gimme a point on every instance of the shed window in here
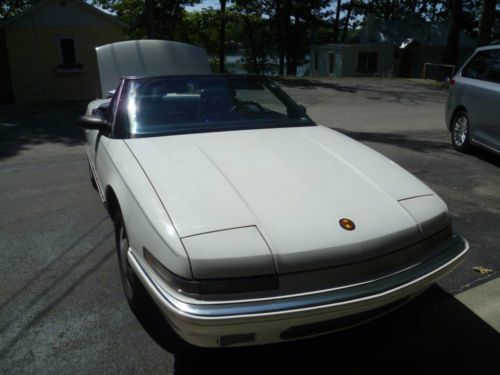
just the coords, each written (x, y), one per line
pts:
(68, 53)
(367, 62)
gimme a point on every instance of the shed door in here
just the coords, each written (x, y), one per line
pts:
(6, 93)
(331, 63)
(406, 63)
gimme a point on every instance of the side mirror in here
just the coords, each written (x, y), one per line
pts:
(101, 110)
(93, 123)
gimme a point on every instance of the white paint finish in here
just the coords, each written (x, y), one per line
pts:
(148, 57)
(145, 218)
(94, 104)
(383, 172)
(268, 326)
(230, 253)
(196, 194)
(293, 183)
(430, 212)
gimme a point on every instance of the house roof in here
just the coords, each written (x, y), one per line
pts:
(41, 4)
(411, 31)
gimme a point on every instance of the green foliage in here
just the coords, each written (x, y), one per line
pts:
(267, 33)
(11, 8)
(163, 20)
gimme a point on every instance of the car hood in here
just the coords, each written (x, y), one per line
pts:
(293, 184)
(148, 57)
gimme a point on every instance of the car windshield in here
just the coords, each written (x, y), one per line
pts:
(180, 105)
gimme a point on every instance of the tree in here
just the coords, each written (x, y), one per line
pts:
(347, 20)
(149, 18)
(451, 52)
(486, 22)
(337, 22)
(295, 22)
(222, 35)
(257, 36)
(11, 8)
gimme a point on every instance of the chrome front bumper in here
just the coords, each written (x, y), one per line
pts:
(269, 320)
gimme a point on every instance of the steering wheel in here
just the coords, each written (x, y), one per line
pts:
(248, 104)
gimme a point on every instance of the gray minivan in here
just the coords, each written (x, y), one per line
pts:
(473, 107)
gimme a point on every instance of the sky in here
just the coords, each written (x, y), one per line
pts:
(205, 4)
(209, 3)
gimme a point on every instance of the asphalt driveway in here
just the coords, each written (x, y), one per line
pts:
(62, 309)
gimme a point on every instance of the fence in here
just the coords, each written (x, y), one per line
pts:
(438, 72)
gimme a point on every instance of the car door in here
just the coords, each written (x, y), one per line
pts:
(475, 89)
(491, 125)
(104, 138)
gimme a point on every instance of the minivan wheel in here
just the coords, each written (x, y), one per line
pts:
(137, 296)
(460, 132)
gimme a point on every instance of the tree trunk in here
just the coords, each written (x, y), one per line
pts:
(451, 52)
(337, 22)
(175, 14)
(291, 59)
(148, 9)
(253, 50)
(347, 18)
(222, 36)
(288, 37)
(434, 9)
(387, 9)
(279, 28)
(486, 22)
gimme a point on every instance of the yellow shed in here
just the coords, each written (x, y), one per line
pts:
(47, 53)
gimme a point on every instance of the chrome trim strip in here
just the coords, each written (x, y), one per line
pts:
(452, 253)
(485, 146)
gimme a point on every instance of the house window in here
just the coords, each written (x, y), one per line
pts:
(68, 51)
(367, 62)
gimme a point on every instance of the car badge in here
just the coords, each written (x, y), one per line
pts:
(347, 224)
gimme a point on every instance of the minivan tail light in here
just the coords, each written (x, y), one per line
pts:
(451, 82)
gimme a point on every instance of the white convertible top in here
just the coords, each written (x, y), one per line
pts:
(148, 57)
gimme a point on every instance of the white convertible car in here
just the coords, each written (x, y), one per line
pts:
(245, 221)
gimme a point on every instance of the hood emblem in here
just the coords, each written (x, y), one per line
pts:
(347, 224)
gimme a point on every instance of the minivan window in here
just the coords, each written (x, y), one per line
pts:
(494, 72)
(478, 66)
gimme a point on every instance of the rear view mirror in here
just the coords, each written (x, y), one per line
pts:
(93, 123)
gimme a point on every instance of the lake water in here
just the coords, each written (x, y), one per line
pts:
(235, 63)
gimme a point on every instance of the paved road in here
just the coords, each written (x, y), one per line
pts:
(61, 305)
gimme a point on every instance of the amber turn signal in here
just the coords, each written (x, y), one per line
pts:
(347, 224)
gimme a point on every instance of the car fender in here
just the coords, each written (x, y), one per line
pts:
(147, 222)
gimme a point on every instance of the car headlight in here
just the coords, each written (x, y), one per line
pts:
(211, 286)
